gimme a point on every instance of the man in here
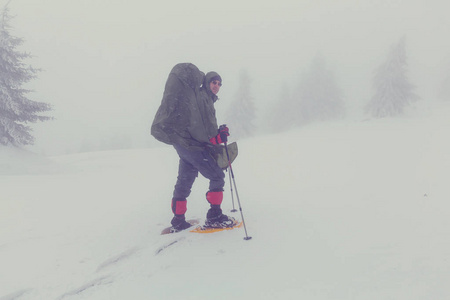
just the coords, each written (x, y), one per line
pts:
(187, 120)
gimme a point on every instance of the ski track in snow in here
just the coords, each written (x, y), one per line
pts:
(162, 248)
(85, 287)
(116, 259)
(15, 295)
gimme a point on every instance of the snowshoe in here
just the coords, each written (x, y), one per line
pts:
(179, 224)
(221, 221)
(182, 225)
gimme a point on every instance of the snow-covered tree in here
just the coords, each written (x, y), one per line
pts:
(318, 96)
(444, 88)
(280, 116)
(16, 110)
(393, 91)
(241, 113)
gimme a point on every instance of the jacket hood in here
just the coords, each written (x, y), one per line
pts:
(208, 78)
(189, 74)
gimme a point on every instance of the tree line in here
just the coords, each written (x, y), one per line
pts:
(317, 97)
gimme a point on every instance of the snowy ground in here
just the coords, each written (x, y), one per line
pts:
(348, 210)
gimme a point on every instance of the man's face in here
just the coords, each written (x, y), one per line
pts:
(215, 86)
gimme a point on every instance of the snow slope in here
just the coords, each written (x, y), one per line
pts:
(348, 210)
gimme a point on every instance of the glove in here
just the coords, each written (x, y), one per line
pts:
(222, 136)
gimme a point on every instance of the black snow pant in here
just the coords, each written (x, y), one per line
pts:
(191, 163)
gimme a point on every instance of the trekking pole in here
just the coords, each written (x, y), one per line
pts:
(237, 195)
(232, 196)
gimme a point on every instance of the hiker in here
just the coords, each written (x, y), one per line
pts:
(187, 120)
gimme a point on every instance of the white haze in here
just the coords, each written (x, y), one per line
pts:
(105, 62)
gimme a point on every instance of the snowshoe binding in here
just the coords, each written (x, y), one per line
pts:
(179, 223)
(215, 219)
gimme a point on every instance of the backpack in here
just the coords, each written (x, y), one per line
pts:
(178, 104)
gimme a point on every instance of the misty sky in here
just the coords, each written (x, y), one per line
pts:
(105, 62)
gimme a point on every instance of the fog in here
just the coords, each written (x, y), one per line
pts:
(105, 62)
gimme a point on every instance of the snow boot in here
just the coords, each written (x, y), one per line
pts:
(215, 218)
(179, 223)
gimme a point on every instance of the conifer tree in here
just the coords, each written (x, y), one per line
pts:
(318, 97)
(241, 114)
(393, 91)
(280, 116)
(16, 110)
(444, 88)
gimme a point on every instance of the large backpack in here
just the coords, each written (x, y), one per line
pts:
(171, 121)
(178, 107)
